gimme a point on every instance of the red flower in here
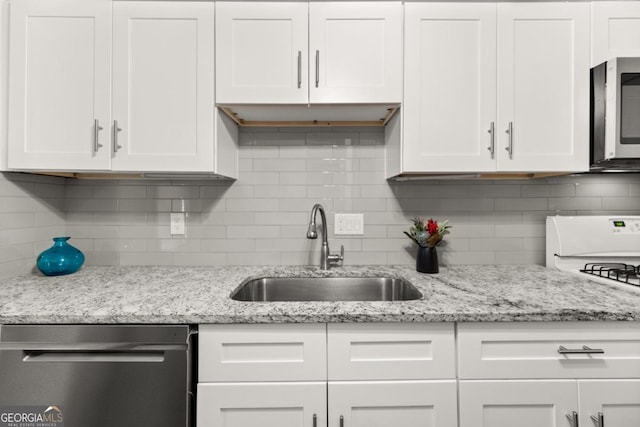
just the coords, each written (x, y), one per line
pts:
(432, 226)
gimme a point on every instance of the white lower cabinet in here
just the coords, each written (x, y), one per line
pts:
(572, 374)
(262, 404)
(610, 402)
(296, 375)
(516, 403)
(537, 403)
(356, 404)
(392, 403)
(525, 374)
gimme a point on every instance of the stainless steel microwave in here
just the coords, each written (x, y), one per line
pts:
(615, 115)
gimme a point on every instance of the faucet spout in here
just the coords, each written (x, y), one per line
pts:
(325, 258)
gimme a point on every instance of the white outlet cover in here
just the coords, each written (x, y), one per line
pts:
(177, 223)
(349, 224)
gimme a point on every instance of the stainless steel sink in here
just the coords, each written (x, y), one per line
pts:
(326, 289)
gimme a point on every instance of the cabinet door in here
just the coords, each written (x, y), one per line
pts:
(517, 403)
(355, 52)
(543, 87)
(163, 67)
(59, 75)
(262, 404)
(617, 400)
(261, 52)
(393, 403)
(615, 30)
(450, 87)
(391, 351)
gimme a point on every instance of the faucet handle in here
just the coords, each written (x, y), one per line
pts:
(335, 258)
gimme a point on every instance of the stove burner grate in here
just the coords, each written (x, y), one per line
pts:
(619, 272)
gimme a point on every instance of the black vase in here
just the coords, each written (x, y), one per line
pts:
(427, 260)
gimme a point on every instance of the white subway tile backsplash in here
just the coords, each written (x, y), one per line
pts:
(120, 192)
(102, 258)
(17, 252)
(575, 203)
(141, 205)
(261, 218)
(120, 245)
(199, 258)
(528, 204)
(307, 178)
(253, 258)
(92, 205)
(519, 230)
(279, 165)
(17, 220)
(172, 192)
(146, 258)
(253, 231)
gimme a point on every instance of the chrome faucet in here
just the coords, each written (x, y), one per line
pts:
(326, 258)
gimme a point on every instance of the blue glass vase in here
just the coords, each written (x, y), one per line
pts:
(61, 258)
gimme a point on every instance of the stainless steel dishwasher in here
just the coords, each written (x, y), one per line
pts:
(96, 375)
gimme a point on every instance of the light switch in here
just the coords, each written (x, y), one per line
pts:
(177, 223)
(349, 224)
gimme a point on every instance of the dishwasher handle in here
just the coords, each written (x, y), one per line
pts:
(57, 356)
(93, 352)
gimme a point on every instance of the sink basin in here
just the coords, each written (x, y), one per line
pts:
(326, 289)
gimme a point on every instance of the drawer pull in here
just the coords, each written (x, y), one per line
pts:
(341, 421)
(573, 417)
(583, 350)
(315, 420)
(598, 420)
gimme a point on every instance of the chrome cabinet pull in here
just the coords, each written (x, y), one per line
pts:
(299, 69)
(573, 417)
(96, 130)
(492, 132)
(317, 68)
(584, 350)
(341, 421)
(116, 129)
(509, 147)
(315, 420)
(598, 420)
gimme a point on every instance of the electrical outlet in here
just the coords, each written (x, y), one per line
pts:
(178, 223)
(349, 224)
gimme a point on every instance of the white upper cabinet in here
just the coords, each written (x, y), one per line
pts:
(615, 30)
(60, 84)
(543, 87)
(450, 80)
(116, 87)
(163, 67)
(355, 52)
(261, 52)
(495, 88)
(297, 53)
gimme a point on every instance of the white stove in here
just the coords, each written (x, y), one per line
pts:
(604, 248)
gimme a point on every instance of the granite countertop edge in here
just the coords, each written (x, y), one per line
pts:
(201, 295)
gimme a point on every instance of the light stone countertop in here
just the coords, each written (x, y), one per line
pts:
(169, 295)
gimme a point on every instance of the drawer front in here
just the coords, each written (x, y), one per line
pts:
(549, 350)
(265, 352)
(391, 351)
